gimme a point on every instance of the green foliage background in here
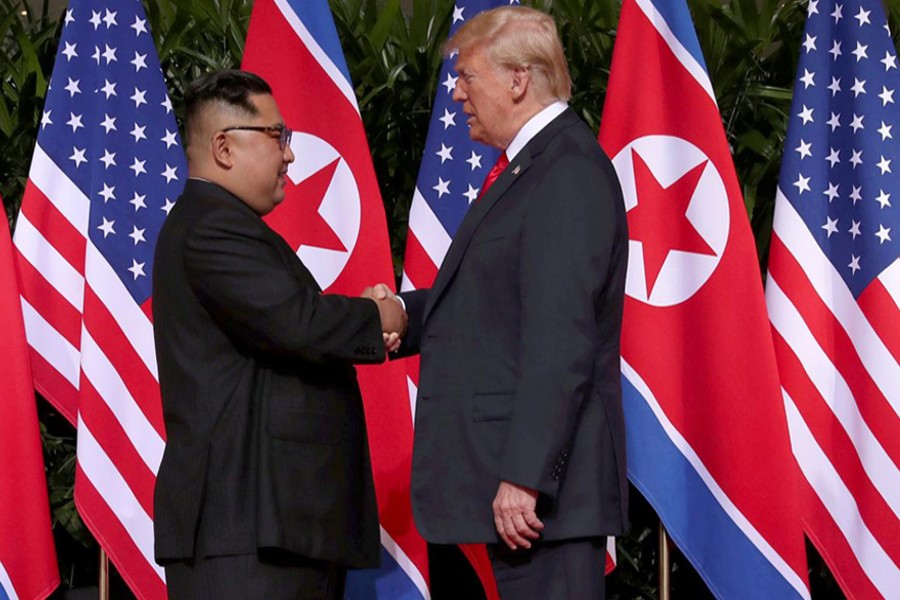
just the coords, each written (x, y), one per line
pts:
(393, 52)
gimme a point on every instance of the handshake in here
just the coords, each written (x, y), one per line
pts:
(393, 316)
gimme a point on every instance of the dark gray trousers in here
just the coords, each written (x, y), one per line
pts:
(565, 570)
(263, 576)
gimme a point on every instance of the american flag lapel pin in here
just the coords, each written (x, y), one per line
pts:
(516, 170)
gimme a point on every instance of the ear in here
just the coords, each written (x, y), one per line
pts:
(521, 81)
(222, 151)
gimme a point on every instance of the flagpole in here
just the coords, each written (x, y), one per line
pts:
(664, 570)
(103, 579)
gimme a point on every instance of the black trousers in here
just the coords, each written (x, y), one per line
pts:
(269, 575)
(565, 570)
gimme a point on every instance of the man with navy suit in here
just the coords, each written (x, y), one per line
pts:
(519, 432)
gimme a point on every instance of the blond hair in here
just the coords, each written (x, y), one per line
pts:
(518, 36)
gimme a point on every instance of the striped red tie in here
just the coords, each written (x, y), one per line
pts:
(494, 173)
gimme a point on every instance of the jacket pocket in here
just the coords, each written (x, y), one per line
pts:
(492, 407)
(486, 240)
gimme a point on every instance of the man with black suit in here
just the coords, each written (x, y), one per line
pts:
(519, 433)
(265, 488)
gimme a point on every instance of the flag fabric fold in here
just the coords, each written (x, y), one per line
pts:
(334, 218)
(106, 170)
(27, 555)
(833, 291)
(707, 433)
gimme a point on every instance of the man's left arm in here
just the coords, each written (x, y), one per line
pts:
(566, 245)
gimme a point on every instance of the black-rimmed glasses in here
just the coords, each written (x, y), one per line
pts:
(284, 134)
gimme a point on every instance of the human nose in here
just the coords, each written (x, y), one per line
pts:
(459, 95)
(288, 154)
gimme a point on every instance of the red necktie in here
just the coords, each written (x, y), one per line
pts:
(494, 173)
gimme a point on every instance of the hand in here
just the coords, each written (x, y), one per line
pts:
(390, 309)
(379, 291)
(391, 342)
(514, 515)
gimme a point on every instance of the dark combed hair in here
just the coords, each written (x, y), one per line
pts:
(233, 88)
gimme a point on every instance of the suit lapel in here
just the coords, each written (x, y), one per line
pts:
(482, 206)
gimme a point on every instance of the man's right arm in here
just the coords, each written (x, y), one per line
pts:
(240, 278)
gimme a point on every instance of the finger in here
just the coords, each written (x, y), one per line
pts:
(523, 530)
(392, 342)
(513, 535)
(382, 291)
(498, 524)
(532, 519)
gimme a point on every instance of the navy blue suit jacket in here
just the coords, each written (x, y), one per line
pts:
(519, 342)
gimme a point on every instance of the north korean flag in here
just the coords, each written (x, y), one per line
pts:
(707, 434)
(334, 217)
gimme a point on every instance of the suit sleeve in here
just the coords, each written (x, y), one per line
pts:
(566, 248)
(242, 280)
(415, 309)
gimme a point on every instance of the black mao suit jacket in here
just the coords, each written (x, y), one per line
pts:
(266, 442)
(519, 341)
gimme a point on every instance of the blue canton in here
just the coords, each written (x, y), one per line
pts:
(108, 124)
(454, 167)
(841, 166)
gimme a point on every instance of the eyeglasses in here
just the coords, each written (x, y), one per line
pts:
(284, 134)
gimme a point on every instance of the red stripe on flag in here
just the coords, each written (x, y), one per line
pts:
(55, 227)
(139, 381)
(419, 267)
(837, 345)
(610, 564)
(880, 309)
(113, 537)
(827, 537)
(49, 303)
(481, 563)
(412, 369)
(100, 420)
(830, 434)
(147, 308)
(55, 388)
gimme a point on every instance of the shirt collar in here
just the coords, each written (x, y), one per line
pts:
(534, 126)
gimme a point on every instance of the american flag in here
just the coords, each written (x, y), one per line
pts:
(833, 291)
(106, 170)
(707, 438)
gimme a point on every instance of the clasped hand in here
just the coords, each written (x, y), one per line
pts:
(515, 518)
(393, 317)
